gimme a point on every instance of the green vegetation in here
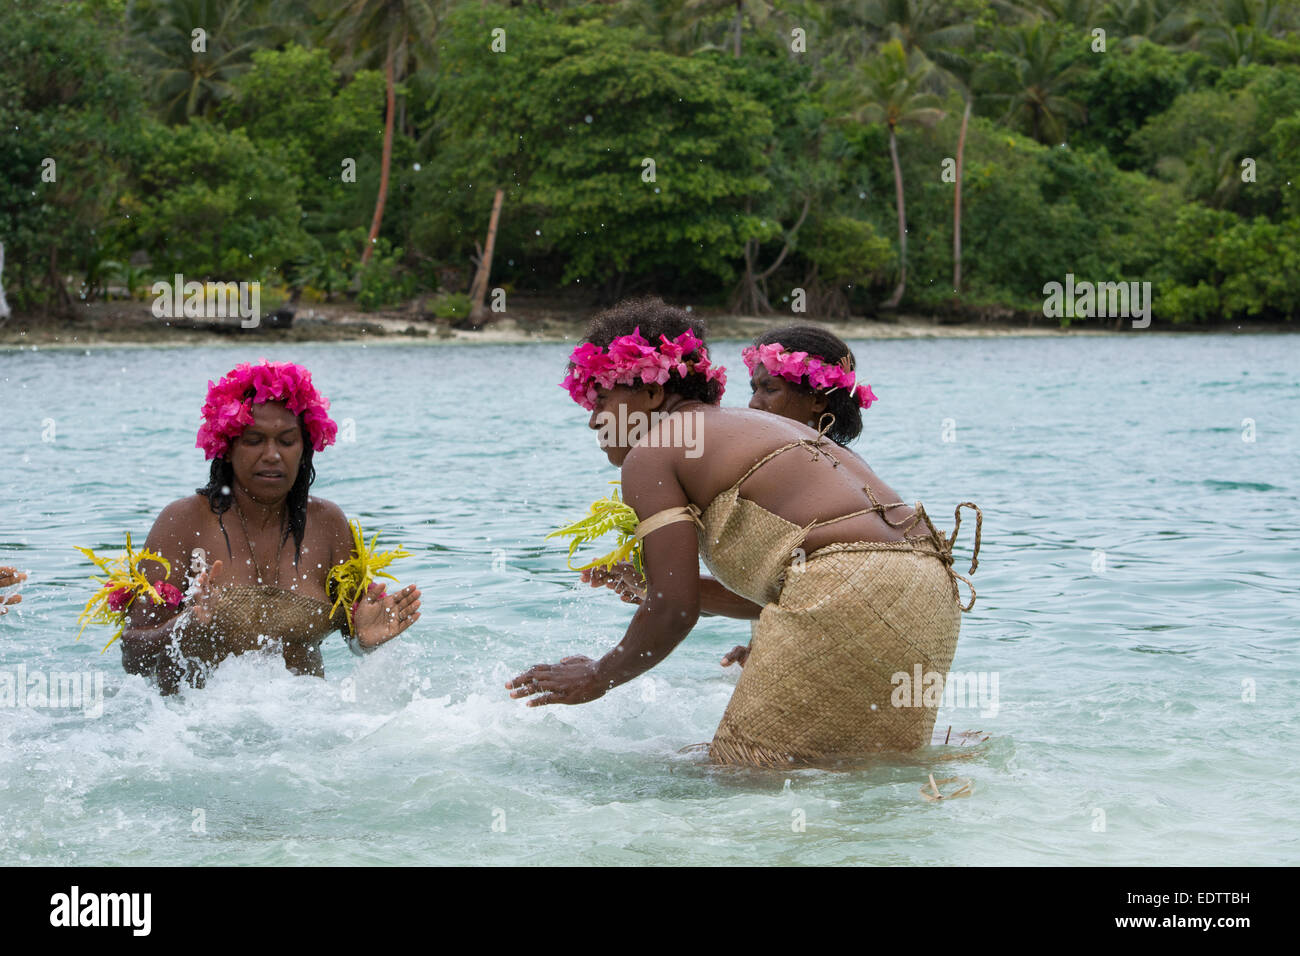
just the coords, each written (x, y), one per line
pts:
(725, 153)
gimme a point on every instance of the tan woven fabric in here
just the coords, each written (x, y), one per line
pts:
(818, 682)
(247, 617)
(245, 612)
(745, 546)
(834, 630)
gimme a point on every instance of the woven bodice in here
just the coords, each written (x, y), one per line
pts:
(246, 613)
(747, 547)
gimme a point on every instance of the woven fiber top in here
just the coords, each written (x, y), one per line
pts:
(749, 548)
(246, 615)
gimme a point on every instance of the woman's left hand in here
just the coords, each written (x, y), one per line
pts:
(380, 617)
(572, 681)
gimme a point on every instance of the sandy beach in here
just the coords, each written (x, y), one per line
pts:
(125, 324)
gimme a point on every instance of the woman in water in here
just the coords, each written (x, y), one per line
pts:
(261, 425)
(849, 585)
(784, 389)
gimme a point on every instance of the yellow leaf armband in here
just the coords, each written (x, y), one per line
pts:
(124, 582)
(605, 515)
(353, 577)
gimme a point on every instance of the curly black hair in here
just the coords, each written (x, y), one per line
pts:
(221, 479)
(829, 348)
(655, 317)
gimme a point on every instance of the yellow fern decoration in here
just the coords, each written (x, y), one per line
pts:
(123, 572)
(355, 575)
(605, 515)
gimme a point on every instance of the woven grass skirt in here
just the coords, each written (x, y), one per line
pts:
(818, 683)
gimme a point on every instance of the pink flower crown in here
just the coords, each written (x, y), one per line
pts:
(228, 409)
(794, 366)
(631, 357)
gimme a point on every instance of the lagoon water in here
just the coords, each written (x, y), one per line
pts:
(1137, 603)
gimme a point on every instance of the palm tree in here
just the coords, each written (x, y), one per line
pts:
(1028, 78)
(1231, 31)
(969, 97)
(758, 11)
(186, 82)
(930, 26)
(396, 32)
(1166, 22)
(890, 93)
(933, 29)
(1075, 13)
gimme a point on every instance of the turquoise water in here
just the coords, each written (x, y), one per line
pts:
(1138, 572)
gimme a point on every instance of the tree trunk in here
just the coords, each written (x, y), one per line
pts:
(63, 304)
(750, 297)
(4, 306)
(387, 160)
(956, 207)
(478, 288)
(740, 18)
(747, 300)
(902, 225)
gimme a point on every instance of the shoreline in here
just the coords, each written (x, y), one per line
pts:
(118, 325)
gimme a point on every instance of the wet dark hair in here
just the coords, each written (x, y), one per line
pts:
(829, 348)
(655, 317)
(222, 476)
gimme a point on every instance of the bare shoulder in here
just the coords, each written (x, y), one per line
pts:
(324, 510)
(650, 479)
(333, 523)
(182, 515)
(175, 531)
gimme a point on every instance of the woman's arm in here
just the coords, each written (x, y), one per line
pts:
(714, 597)
(666, 615)
(149, 625)
(379, 616)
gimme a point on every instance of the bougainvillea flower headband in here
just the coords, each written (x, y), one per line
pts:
(794, 366)
(228, 409)
(630, 358)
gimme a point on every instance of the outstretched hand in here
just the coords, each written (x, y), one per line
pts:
(379, 617)
(622, 579)
(8, 578)
(572, 681)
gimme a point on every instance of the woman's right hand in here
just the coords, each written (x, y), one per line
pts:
(205, 597)
(622, 579)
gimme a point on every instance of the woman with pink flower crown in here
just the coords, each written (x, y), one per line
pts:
(274, 580)
(801, 372)
(848, 585)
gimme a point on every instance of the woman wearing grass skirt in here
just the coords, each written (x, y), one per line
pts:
(849, 586)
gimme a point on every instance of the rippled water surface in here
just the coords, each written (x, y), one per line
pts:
(1137, 603)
